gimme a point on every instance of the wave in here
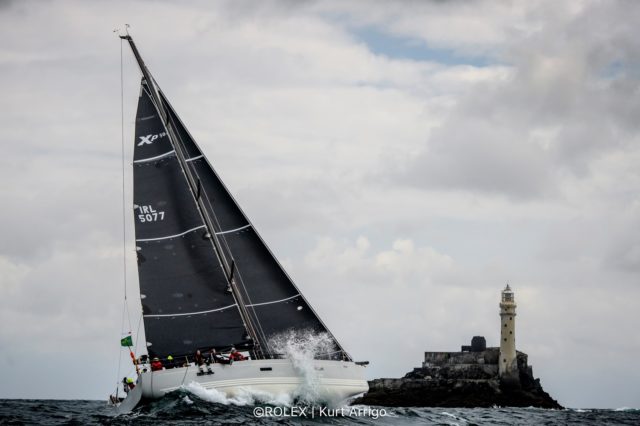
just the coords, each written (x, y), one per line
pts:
(241, 398)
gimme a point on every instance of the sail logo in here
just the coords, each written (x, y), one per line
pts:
(149, 139)
(149, 214)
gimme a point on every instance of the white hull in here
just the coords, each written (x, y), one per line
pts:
(332, 380)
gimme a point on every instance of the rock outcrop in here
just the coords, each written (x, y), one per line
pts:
(460, 379)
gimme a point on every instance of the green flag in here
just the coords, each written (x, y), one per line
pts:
(126, 341)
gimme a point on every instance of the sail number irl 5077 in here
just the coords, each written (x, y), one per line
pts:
(149, 214)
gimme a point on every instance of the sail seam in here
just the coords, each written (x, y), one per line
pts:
(233, 230)
(275, 301)
(171, 236)
(157, 157)
(182, 314)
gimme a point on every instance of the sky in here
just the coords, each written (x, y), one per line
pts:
(404, 160)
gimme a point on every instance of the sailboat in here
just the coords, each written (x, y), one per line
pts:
(208, 280)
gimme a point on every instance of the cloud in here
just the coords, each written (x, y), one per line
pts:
(482, 155)
(353, 280)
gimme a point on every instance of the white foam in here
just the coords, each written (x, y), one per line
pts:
(242, 396)
(211, 395)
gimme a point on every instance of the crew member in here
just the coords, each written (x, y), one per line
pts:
(156, 364)
(199, 359)
(236, 356)
(125, 384)
(170, 363)
(215, 358)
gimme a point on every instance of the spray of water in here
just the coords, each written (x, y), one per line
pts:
(302, 347)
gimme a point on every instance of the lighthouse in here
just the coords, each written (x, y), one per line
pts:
(508, 365)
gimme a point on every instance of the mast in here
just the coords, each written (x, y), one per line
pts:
(195, 187)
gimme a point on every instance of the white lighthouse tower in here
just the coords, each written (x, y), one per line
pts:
(508, 365)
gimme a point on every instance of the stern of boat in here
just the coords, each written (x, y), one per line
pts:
(131, 401)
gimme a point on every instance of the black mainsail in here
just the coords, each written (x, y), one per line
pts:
(206, 276)
(183, 288)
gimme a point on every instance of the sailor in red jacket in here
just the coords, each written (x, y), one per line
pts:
(156, 364)
(236, 356)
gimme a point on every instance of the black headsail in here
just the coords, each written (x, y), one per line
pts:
(263, 299)
(274, 301)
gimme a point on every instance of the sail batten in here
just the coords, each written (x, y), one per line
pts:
(172, 236)
(182, 314)
(157, 157)
(273, 301)
(233, 230)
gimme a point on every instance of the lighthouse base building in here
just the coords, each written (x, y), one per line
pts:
(476, 376)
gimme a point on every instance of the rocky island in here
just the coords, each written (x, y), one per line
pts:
(476, 376)
(460, 379)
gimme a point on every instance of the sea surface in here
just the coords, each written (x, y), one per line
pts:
(185, 408)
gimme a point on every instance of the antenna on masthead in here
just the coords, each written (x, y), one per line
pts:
(126, 29)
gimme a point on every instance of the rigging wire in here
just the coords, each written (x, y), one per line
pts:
(124, 217)
(125, 292)
(125, 307)
(135, 345)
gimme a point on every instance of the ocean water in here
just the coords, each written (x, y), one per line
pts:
(186, 408)
(194, 405)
